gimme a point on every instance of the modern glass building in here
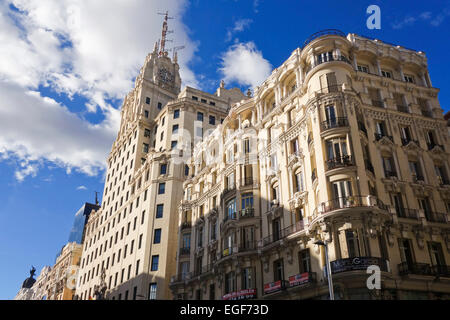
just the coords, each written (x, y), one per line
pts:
(81, 218)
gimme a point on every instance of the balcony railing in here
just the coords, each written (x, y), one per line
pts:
(186, 225)
(185, 251)
(299, 226)
(407, 213)
(334, 123)
(406, 141)
(248, 246)
(349, 202)
(379, 136)
(378, 103)
(402, 108)
(325, 32)
(432, 145)
(248, 181)
(389, 174)
(405, 268)
(247, 213)
(436, 217)
(230, 216)
(345, 161)
(441, 271)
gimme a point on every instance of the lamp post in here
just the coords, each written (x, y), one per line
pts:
(330, 280)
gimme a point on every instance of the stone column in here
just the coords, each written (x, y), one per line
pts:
(378, 67)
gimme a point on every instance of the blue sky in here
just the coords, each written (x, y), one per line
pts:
(65, 67)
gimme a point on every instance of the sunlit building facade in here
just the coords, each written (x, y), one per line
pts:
(345, 143)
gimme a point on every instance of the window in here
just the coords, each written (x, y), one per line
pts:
(212, 103)
(162, 188)
(199, 116)
(247, 146)
(159, 105)
(304, 261)
(299, 186)
(134, 293)
(389, 167)
(416, 171)
(176, 114)
(409, 78)
(352, 243)
(247, 201)
(278, 270)
(159, 211)
(146, 114)
(173, 144)
(247, 279)
(203, 100)
(406, 252)
(152, 291)
(186, 240)
(230, 282)
(157, 238)
(163, 169)
(145, 148)
(175, 129)
(186, 170)
(140, 241)
(212, 120)
(137, 266)
(155, 262)
(194, 98)
(147, 100)
(363, 68)
(325, 57)
(386, 74)
(231, 209)
(436, 255)
(147, 133)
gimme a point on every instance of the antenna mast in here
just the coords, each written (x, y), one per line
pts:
(165, 32)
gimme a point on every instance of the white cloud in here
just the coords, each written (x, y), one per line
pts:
(244, 64)
(90, 48)
(36, 128)
(239, 26)
(83, 188)
(424, 16)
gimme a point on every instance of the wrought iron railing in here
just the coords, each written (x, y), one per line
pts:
(322, 33)
(334, 123)
(407, 213)
(406, 268)
(345, 161)
(349, 202)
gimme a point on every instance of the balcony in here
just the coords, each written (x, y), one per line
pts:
(248, 246)
(322, 33)
(402, 108)
(349, 202)
(246, 213)
(406, 268)
(248, 182)
(185, 251)
(427, 113)
(417, 178)
(345, 161)
(437, 217)
(406, 141)
(441, 271)
(334, 123)
(379, 136)
(281, 234)
(276, 286)
(432, 145)
(390, 174)
(407, 213)
(378, 103)
(186, 225)
(228, 191)
(230, 217)
(358, 263)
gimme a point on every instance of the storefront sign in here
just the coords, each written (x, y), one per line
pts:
(299, 279)
(357, 263)
(272, 287)
(241, 295)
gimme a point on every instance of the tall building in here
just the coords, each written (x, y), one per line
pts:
(133, 236)
(344, 143)
(77, 233)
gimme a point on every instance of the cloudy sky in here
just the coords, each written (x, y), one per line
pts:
(65, 66)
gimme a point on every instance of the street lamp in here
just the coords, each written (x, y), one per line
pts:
(330, 280)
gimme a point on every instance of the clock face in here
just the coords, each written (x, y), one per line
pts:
(165, 76)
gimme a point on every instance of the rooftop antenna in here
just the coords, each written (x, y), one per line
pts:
(165, 32)
(96, 198)
(175, 52)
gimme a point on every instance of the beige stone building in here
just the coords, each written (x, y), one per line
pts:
(60, 281)
(133, 236)
(346, 143)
